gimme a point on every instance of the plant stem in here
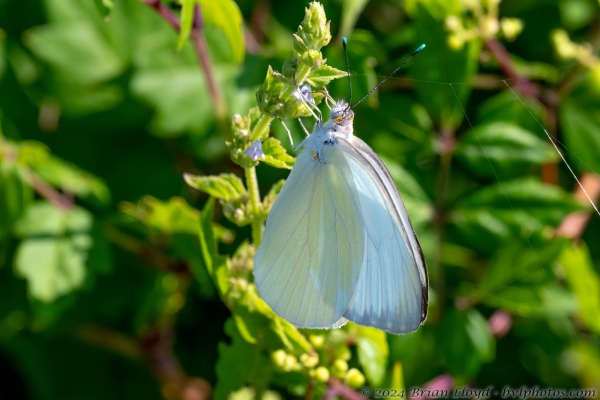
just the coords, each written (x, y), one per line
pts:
(204, 58)
(201, 48)
(48, 192)
(257, 224)
(261, 127)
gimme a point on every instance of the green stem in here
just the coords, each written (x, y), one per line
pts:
(257, 224)
(261, 128)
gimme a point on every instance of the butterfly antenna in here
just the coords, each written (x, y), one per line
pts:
(421, 47)
(344, 42)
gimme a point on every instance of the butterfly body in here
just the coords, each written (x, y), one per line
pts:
(338, 244)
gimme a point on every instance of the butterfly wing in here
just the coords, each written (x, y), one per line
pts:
(308, 263)
(392, 290)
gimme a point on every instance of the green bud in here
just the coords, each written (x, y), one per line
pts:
(456, 41)
(339, 368)
(488, 26)
(289, 69)
(322, 374)
(354, 378)
(314, 30)
(511, 28)
(299, 45)
(312, 58)
(278, 358)
(343, 352)
(309, 361)
(291, 363)
(317, 341)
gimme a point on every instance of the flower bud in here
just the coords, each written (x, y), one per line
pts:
(322, 374)
(354, 378)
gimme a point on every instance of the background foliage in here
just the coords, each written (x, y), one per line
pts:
(118, 280)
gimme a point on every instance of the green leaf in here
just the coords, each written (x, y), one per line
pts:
(320, 77)
(224, 186)
(507, 147)
(77, 51)
(186, 21)
(584, 282)
(517, 276)
(499, 211)
(350, 12)
(582, 137)
(207, 240)
(54, 249)
(240, 363)
(224, 14)
(69, 177)
(275, 154)
(15, 195)
(373, 353)
(168, 217)
(506, 107)
(416, 201)
(271, 196)
(104, 6)
(174, 93)
(469, 347)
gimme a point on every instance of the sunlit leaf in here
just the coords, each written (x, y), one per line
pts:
(275, 154)
(373, 352)
(224, 14)
(585, 283)
(224, 186)
(54, 249)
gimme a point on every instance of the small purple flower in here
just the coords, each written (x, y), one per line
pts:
(304, 92)
(255, 151)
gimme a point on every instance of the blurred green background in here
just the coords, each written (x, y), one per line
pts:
(106, 291)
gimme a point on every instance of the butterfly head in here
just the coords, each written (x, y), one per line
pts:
(342, 115)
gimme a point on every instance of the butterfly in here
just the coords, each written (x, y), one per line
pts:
(338, 244)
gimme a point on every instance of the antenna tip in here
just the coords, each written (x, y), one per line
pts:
(421, 47)
(344, 40)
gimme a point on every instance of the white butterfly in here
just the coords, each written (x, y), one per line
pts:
(338, 244)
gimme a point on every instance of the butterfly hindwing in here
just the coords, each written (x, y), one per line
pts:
(391, 293)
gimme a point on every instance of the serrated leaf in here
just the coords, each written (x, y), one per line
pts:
(54, 249)
(168, 217)
(507, 147)
(224, 186)
(173, 93)
(320, 77)
(275, 154)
